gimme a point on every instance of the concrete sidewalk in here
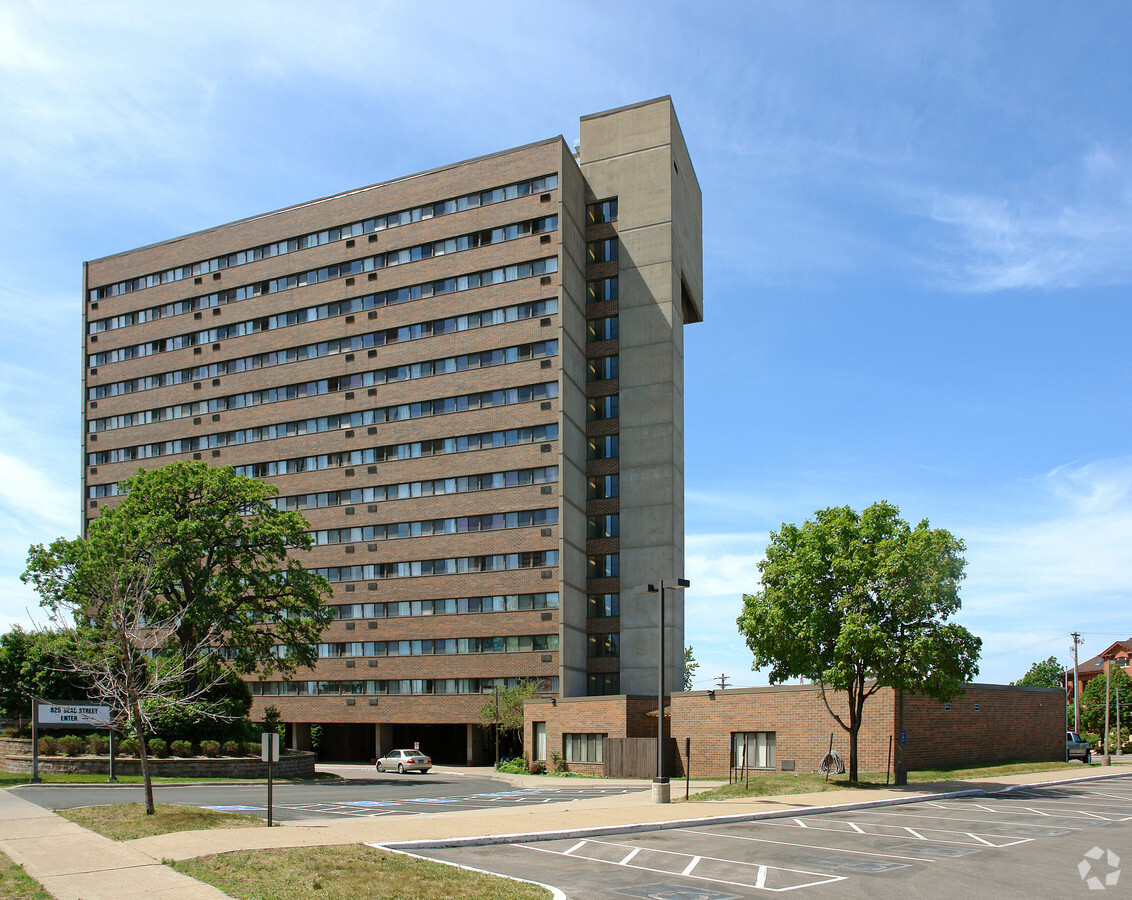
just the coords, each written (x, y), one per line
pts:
(72, 862)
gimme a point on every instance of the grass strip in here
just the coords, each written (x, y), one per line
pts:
(16, 884)
(127, 821)
(773, 784)
(338, 873)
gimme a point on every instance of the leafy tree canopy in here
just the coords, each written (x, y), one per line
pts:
(690, 666)
(219, 552)
(505, 708)
(859, 601)
(1046, 673)
(1092, 701)
(34, 663)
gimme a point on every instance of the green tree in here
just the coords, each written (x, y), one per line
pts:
(219, 553)
(1047, 673)
(504, 710)
(690, 666)
(34, 663)
(860, 601)
(1092, 702)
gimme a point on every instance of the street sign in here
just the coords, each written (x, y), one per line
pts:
(72, 715)
(901, 737)
(270, 747)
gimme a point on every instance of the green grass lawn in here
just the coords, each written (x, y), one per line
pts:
(780, 783)
(339, 873)
(127, 821)
(15, 884)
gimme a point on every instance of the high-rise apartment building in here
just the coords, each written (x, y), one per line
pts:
(470, 381)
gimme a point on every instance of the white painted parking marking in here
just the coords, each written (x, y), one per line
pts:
(979, 839)
(577, 846)
(754, 840)
(629, 858)
(896, 831)
(688, 868)
(791, 879)
(801, 824)
(855, 828)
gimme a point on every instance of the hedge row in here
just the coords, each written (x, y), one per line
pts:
(99, 745)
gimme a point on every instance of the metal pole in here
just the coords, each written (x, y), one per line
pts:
(1076, 684)
(1107, 681)
(113, 779)
(269, 782)
(660, 779)
(688, 761)
(496, 692)
(35, 779)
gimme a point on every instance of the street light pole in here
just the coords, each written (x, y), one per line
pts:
(661, 788)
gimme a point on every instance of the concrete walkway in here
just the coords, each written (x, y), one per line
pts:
(72, 862)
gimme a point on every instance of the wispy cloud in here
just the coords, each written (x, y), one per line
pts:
(1066, 229)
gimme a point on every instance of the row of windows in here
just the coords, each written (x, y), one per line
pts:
(601, 290)
(548, 684)
(525, 518)
(603, 526)
(499, 562)
(381, 338)
(600, 646)
(390, 375)
(446, 606)
(598, 408)
(605, 329)
(512, 643)
(602, 487)
(601, 606)
(603, 684)
(406, 490)
(601, 251)
(602, 212)
(601, 368)
(330, 235)
(607, 447)
(368, 264)
(485, 440)
(483, 278)
(379, 415)
(603, 565)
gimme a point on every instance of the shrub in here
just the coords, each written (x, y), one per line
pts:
(538, 767)
(558, 761)
(512, 766)
(210, 748)
(182, 749)
(128, 747)
(252, 748)
(71, 744)
(48, 746)
(97, 744)
(158, 748)
(232, 748)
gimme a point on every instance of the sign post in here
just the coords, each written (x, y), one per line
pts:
(35, 779)
(270, 755)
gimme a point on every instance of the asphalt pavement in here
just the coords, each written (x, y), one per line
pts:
(72, 862)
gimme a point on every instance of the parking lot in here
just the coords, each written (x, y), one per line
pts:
(1037, 841)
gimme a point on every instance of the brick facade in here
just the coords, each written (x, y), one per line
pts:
(988, 723)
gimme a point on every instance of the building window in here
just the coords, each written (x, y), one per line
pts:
(607, 447)
(539, 729)
(605, 329)
(603, 408)
(603, 527)
(603, 487)
(600, 606)
(602, 212)
(602, 368)
(600, 646)
(601, 251)
(601, 290)
(583, 747)
(752, 749)
(603, 565)
(603, 684)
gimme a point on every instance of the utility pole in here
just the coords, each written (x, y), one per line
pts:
(1107, 684)
(723, 682)
(1076, 699)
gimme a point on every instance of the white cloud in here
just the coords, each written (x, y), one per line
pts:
(1065, 229)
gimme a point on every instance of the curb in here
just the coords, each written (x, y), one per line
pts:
(604, 830)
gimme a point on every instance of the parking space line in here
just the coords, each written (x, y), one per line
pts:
(761, 871)
(688, 868)
(577, 846)
(977, 838)
(629, 858)
(754, 840)
(904, 828)
(993, 822)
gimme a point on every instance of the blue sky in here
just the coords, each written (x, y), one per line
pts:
(917, 244)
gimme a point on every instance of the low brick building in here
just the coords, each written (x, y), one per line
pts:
(788, 728)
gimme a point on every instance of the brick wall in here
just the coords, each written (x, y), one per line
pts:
(1009, 723)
